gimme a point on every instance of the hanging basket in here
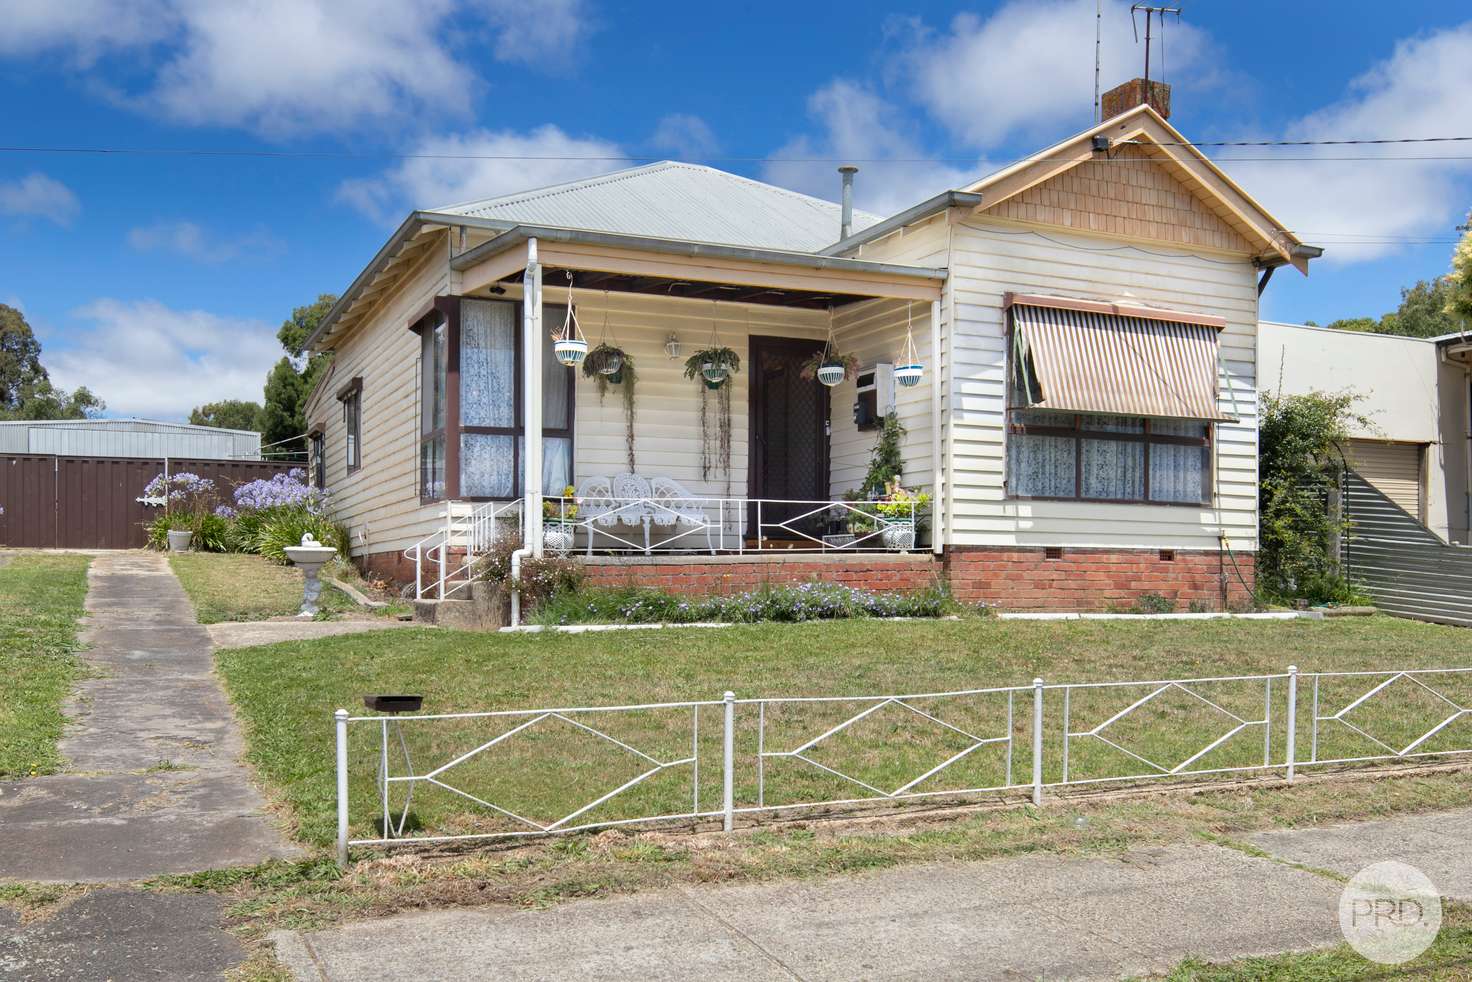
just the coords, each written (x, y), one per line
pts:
(715, 372)
(909, 375)
(570, 351)
(615, 377)
(611, 365)
(832, 371)
(713, 386)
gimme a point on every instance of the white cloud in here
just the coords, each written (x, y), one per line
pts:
(509, 162)
(1029, 68)
(858, 124)
(286, 67)
(145, 359)
(87, 28)
(1420, 90)
(686, 136)
(193, 242)
(39, 196)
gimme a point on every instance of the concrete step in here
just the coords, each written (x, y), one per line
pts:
(480, 607)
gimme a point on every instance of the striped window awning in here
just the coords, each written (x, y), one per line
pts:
(1085, 357)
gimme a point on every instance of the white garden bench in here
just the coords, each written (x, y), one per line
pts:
(634, 502)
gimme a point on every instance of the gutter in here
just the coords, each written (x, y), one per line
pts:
(931, 206)
(1299, 251)
(517, 234)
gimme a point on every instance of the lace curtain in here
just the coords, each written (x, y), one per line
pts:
(1041, 466)
(1052, 466)
(487, 363)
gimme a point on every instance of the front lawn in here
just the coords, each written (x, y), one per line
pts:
(286, 694)
(244, 587)
(41, 599)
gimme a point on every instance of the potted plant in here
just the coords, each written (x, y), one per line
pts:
(830, 367)
(186, 500)
(900, 511)
(559, 518)
(607, 365)
(715, 365)
(180, 535)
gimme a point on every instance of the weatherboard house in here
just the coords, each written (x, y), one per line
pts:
(1069, 344)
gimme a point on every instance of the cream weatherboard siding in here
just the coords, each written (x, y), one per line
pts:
(990, 257)
(379, 503)
(1394, 469)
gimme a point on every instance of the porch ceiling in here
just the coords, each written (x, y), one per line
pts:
(693, 289)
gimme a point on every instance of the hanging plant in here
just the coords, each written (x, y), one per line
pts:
(828, 365)
(569, 345)
(908, 371)
(713, 367)
(608, 365)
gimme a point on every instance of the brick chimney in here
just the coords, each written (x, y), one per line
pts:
(1137, 91)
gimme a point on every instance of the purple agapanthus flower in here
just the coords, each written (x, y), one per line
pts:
(287, 490)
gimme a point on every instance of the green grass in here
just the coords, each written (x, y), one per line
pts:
(286, 694)
(242, 587)
(1449, 957)
(41, 598)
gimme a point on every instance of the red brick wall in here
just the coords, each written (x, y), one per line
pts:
(1018, 578)
(720, 575)
(398, 569)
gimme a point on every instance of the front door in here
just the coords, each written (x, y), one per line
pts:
(789, 438)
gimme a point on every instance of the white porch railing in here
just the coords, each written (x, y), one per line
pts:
(444, 559)
(540, 772)
(726, 525)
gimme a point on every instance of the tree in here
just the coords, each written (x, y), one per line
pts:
(26, 389)
(20, 359)
(1425, 310)
(283, 418)
(1459, 288)
(1353, 324)
(228, 414)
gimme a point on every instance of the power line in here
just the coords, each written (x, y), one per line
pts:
(611, 157)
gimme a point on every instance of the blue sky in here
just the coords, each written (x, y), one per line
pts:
(159, 280)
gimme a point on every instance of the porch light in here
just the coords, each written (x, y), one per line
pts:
(908, 371)
(569, 345)
(672, 345)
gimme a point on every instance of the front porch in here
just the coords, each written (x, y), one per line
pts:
(660, 463)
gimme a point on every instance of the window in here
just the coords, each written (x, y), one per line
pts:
(317, 458)
(471, 443)
(1090, 457)
(351, 397)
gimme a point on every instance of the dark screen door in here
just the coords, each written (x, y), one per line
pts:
(789, 436)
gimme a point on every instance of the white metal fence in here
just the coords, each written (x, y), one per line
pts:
(519, 773)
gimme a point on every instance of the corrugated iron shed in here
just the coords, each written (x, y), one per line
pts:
(672, 200)
(128, 438)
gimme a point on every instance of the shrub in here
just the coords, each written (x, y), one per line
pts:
(1154, 603)
(286, 527)
(542, 579)
(812, 601)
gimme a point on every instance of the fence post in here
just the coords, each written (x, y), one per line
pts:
(342, 787)
(728, 777)
(1037, 741)
(1292, 717)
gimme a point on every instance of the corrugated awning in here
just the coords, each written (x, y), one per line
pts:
(1076, 359)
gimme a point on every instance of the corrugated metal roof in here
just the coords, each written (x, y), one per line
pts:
(127, 438)
(673, 200)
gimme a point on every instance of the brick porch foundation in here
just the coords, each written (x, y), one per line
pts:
(725, 574)
(1067, 578)
(1006, 577)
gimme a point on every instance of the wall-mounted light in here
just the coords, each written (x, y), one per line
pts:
(672, 345)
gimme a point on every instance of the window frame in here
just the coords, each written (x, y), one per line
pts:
(317, 456)
(1145, 437)
(448, 307)
(351, 397)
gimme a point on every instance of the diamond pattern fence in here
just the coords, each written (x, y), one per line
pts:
(529, 773)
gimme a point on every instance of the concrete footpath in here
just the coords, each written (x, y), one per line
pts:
(1028, 917)
(154, 782)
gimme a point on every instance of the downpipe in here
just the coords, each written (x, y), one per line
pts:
(516, 557)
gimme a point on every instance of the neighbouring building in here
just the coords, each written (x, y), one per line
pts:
(127, 438)
(1086, 322)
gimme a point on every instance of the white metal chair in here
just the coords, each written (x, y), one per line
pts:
(631, 497)
(676, 508)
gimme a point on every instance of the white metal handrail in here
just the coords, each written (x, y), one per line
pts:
(474, 530)
(696, 524)
(1007, 723)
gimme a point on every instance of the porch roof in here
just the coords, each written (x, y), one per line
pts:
(642, 264)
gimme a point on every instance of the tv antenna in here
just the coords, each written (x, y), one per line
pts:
(1150, 13)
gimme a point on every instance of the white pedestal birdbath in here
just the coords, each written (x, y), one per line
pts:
(311, 557)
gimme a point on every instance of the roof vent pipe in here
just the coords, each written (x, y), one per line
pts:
(846, 222)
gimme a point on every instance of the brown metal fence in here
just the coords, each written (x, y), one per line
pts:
(91, 502)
